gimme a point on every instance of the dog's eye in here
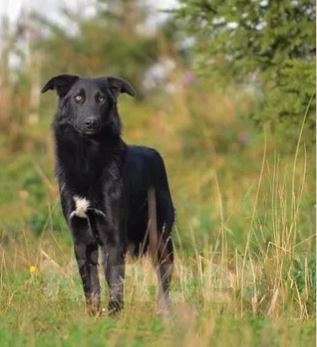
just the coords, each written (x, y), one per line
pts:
(79, 98)
(100, 99)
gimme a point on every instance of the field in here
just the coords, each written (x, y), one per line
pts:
(226, 92)
(244, 236)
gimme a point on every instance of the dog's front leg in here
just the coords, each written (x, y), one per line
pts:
(86, 252)
(114, 273)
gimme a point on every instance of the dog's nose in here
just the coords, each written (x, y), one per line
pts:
(91, 123)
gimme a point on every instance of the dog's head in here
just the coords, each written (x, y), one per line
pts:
(89, 104)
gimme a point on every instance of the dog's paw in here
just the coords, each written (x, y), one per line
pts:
(164, 307)
(93, 308)
(114, 308)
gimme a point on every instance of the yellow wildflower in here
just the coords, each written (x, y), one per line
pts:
(33, 269)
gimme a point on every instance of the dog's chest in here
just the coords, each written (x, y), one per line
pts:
(92, 176)
(95, 187)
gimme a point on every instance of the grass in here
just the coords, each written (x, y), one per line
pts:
(244, 237)
(42, 304)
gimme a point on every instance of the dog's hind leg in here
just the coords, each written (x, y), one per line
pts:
(165, 269)
(161, 251)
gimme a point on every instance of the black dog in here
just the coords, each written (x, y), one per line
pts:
(114, 197)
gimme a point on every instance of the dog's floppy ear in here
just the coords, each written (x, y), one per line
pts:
(61, 83)
(118, 85)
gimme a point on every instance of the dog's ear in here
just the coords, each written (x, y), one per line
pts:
(61, 83)
(118, 85)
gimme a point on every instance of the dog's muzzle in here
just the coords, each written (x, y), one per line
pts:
(91, 126)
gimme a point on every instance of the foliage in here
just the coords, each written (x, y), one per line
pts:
(268, 44)
(111, 42)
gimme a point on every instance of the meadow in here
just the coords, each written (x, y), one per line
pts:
(244, 236)
(231, 108)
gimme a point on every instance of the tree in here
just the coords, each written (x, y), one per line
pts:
(267, 43)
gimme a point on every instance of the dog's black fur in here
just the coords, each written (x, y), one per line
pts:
(114, 197)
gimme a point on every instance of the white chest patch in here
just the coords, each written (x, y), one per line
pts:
(81, 207)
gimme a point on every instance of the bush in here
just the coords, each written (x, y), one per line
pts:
(268, 44)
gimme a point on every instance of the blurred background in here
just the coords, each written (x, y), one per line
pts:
(225, 91)
(211, 84)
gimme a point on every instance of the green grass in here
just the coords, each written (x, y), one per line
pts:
(46, 308)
